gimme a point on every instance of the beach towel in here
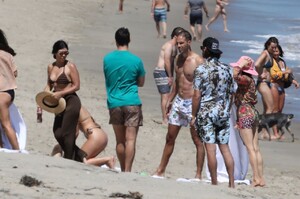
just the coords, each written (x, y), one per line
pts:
(20, 128)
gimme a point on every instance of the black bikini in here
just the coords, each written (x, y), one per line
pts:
(11, 92)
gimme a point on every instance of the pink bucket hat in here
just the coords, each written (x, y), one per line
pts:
(247, 69)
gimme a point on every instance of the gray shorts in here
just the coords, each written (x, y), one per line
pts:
(161, 79)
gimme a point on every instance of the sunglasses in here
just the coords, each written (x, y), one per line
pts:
(63, 53)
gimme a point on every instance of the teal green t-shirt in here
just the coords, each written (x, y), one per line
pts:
(122, 70)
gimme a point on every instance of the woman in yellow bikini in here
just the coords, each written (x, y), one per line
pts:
(263, 65)
(279, 74)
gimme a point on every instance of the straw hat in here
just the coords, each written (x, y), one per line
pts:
(48, 103)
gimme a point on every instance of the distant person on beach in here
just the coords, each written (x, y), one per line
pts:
(211, 104)
(8, 84)
(180, 101)
(96, 141)
(63, 81)
(263, 65)
(220, 9)
(196, 16)
(247, 115)
(124, 73)
(159, 14)
(121, 6)
(279, 75)
(163, 73)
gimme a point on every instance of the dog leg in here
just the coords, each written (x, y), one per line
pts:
(282, 132)
(287, 126)
(268, 130)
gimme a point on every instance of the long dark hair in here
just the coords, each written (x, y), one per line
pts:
(4, 44)
(271, 40)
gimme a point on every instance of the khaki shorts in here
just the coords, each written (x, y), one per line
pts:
(126, 115)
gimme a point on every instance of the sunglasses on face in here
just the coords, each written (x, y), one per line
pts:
(63, 53)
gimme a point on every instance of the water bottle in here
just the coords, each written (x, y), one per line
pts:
(39, 113)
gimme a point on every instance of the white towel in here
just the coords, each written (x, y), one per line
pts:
(20, 128)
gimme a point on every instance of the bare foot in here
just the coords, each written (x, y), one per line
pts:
(231, 185)
(206, 27)
(262, 183)
(258, 183)
(273, 137)
(111, 162)
(226, 30)
(281, 138)
(198, 177)
(264, 137)
(158, 173)
(158, 176)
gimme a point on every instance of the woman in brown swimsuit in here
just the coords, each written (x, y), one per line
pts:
(63, 81)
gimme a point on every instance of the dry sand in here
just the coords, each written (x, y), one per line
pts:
(32, 26)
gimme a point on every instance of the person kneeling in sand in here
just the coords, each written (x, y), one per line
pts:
(96, 141)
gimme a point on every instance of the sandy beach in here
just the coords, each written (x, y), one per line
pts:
(31, 27)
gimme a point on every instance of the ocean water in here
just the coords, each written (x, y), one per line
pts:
(251, 23)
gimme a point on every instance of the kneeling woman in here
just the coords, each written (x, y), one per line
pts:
(96, 141)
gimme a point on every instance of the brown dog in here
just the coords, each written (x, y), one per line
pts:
(280, 119)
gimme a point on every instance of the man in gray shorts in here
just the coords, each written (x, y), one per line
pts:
(163, 73)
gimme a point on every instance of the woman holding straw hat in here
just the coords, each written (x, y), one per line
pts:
(63, 82)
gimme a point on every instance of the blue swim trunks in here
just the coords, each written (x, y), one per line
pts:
(160, 14)
(213, 132)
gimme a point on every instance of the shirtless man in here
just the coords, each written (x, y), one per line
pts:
(220, 9)
(163, 73)
(159, 14)
(181, 96)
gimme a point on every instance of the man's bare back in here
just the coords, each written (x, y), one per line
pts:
(159, 3)
(167, 54)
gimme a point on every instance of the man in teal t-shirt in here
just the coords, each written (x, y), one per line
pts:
(124, 73)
